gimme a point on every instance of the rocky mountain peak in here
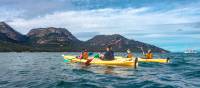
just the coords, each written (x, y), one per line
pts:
(40, 32)
(107, 39)
(7, 31)
(119, 43)
(50, 35)
(113, 36)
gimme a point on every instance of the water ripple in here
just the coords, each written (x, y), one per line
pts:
(47, 70)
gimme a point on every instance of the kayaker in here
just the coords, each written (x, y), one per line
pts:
(84, 54)
(129, 54)
(109, 54)
(149, 55)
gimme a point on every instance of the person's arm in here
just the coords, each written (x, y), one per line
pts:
(151, 56)
(80, 56)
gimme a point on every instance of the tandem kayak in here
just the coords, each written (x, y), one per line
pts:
(156, 60)
(96, 61)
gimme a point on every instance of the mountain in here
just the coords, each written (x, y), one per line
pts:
(53, 39)
(119, 43)
(11, 40)
(60, 39)
(9, 34)
(51, 35)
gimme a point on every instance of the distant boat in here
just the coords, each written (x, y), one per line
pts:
(190, 51)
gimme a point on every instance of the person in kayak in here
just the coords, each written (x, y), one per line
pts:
(84, 54)
(149, 55)
(109, 54)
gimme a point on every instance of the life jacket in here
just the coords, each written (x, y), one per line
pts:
(129, 55)
(109, 55)
(85, 55)
(149, 56)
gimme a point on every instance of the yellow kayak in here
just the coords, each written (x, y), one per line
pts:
(156, 60)
(117, 62)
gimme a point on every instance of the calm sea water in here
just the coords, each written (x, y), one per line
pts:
(47, 70)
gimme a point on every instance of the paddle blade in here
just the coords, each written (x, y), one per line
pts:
(87, 63)
(96, 56)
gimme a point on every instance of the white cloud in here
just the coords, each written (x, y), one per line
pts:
(8, 15)
(103, 20)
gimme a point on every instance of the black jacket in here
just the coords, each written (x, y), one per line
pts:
(109, 55)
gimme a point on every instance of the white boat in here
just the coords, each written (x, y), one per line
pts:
(190, 51)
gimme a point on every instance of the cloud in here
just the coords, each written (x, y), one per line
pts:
(104, 20)
(7, 16)
(144, 23)
(34, 8)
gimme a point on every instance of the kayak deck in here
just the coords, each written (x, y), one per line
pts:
(155, 60)
(159, 60)
(117, 62)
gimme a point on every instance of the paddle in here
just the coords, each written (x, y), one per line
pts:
(142, 50)
(135, 62)
(168, 59)
(96, 56)
(87, 63)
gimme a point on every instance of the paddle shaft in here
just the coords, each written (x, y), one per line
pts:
(142, 50)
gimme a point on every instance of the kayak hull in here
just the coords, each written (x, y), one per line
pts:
(117, 62)
(155, 60)
(158, 60)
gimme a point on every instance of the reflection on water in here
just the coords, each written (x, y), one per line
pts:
(110, 70)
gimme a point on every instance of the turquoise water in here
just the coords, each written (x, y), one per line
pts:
(48, 70)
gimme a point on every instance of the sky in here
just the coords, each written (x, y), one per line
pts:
(170, 24)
